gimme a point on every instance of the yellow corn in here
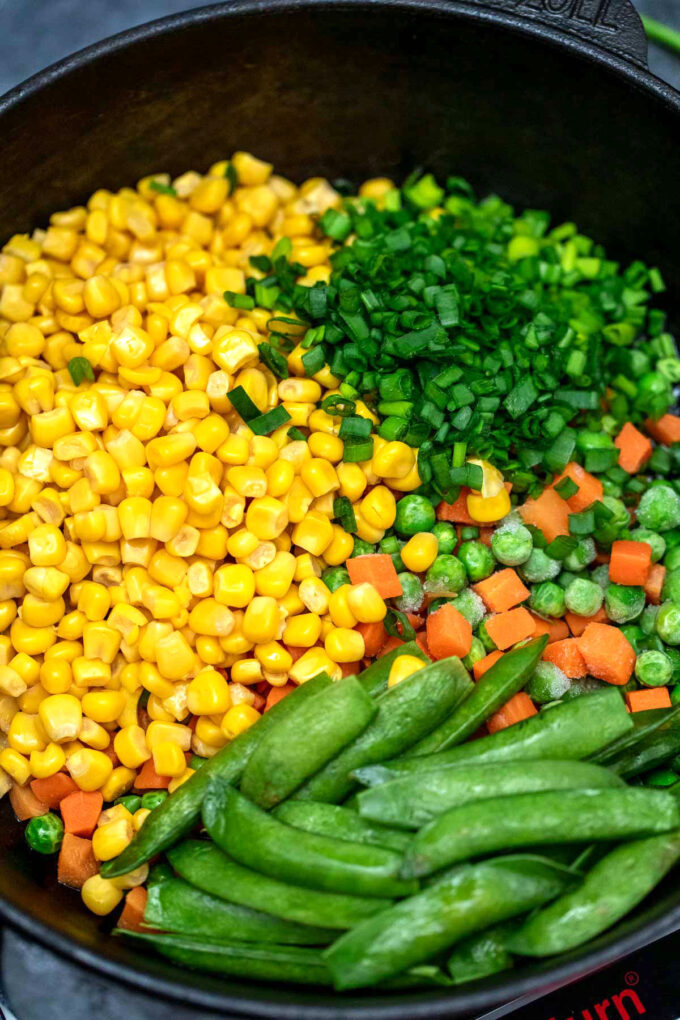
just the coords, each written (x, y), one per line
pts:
(61, 716)
(403, 666)
(48, 762)
(89, 769)
(238, 719)
(261, 620)
(311, 663)
(420, 552)
(344, 645)
(365, 603)
(208, 693)
(489, 509)
(100, 895)
(168, 759)
(16, 765)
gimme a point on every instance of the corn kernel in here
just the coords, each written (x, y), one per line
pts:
(89, 769)
(100, 895)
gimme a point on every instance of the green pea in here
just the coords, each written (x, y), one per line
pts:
(566, 577)
(652, 643)
(362, 548)
(648, 619)
(610, 487)
(672, 538)
(547, 599)
(659, 508)
(446, 536)
(477, 652)
(634, 635)
(471, 606)
(583, 597)
(671, 586)
(131, 802)
(657, 542)
(671, 560)
(446, 576)
(579, 558)
(414, 513)
(468, 532)
(668, 623)
(539, 567)
(437, 604)
(335, 577)
(653, 669)
(153, 798)
(600, 575)
(624, 602)
(675, 700)
(485, 637)
(674, 656)
(583, 685)
(45, 834)
(547, 684)
(512, 545)
(412, 593)
(393, 546)
(477, 559)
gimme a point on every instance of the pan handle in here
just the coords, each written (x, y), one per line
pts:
(612, 25)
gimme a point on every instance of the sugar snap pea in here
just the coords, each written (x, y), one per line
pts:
(252, 960)
(480, 955)
(175, 906)
(253, 837)
(300, 745)
(405, 713)
(505, 678)
(539, 819)
(571, 730)
(339, 822)
(205, 867)
(644, 725)
(412, 801)
(465, 900)
(613, 887)
(374, 678)
(178, 814)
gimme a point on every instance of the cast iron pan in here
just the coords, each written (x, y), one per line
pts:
(547, 102)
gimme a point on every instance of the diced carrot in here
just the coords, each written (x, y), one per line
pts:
(25, 804)
(502, 590)
(589, 487)
(376, 569)
(80, 812)
(520, 706)
(51, 791)
(549, 513)
(277, 694)
(630, 562)
(110, 753)
(132, 917)
(77, 862)
(577, 624)
(651, 697)
(389, 646)
(480, 667)
(350, 668)
(296, 651)
(456, 513)
(374, 635)
(666, 430)
(421, 641)
(148, 779)
(654, 585)
(485, 536)
(506, 629)
(415, 620)
(566, 655)
(556, 630)
(607, 652)
(634, 448)
(258, 704)
(601, 557)
(448, 633)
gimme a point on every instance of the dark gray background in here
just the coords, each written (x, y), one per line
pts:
(35, 33)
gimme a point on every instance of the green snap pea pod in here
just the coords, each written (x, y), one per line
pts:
(465, 900)
(340, 823)
(405, 713)
(253, 960)
(178, 814)
(414, 800)
(613, 887)
(253, 837)
(300, 745)
(505, 678)
(571, 730)
(175, 906)
(480, 956)
(644, 725)
(650, 753)
(205, 867)
(538, 819)
(374, 678)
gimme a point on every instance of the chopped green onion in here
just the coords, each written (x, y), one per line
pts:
(243, 405)
(336, 404)
(566, 488)
(162, 189)
(357, 450)
(343, 512)
(269, 421)
(232, 177)
(79, 369)
(355, 427)
(274, 360)
(560, 547)
(243, 301)
(314, 360)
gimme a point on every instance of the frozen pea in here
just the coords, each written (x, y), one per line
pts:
(477, 559)
(655, 541)
(624, 602)
(671, 586)
(548, 683)
(566, 577)
(659, 508)
(600, 575)
(45, 833)
(412, 594)
(671, 560)
(485, 637)
(675, 700)
(634, 635)
(674, 656)
(648, 619)
(471, 606)
(446, 536)
(362, 548)
(584, 685)
(477, 652)
(512, 545)
(653, 669)
(579, 558)
(539, 567)
(548, 599)
(446, 576)
(414, 513)
(668, 623)
(583, 597)
(393, 546)
(468, 532)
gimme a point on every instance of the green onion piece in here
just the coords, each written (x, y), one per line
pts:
(269, 422)
(425, 193)
(243, 405)
(243, 301)
(393, 428)
(397, 625)
(296, 434)
(566, 488)
(274, 360)
(356, 451)
(162, 189)
(336, 404)
(336, 225)
(343, 511)
(262, 263)
(232, 177)
(583, 523)
(79, 369)
(355, 427)
(538, 538)
(313, 360)
(560, 547)
(474, 477)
